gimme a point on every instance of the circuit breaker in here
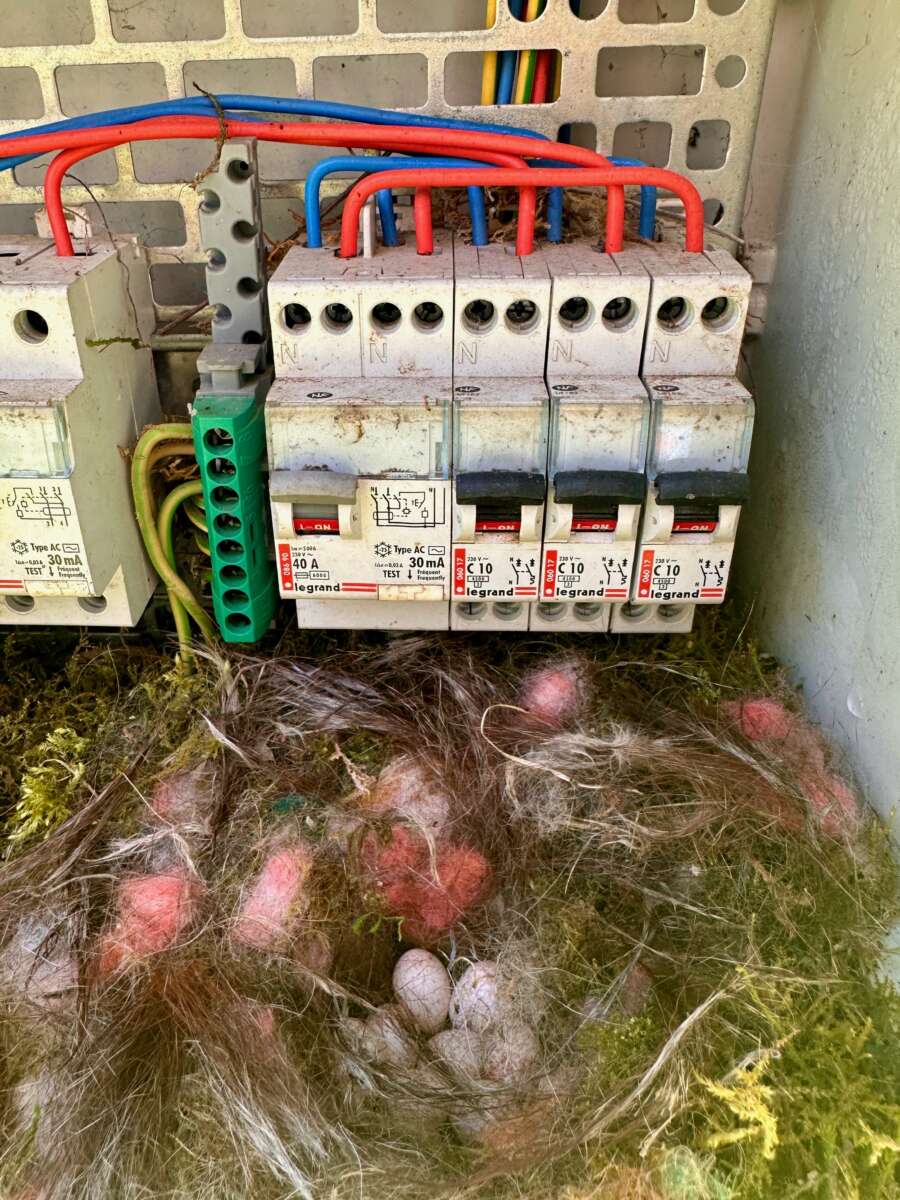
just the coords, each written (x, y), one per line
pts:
(358, 429)
(500, 420)
(599, 421)
(77, 387)
(701, 426)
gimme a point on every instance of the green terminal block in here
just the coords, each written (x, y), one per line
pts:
(230, 443)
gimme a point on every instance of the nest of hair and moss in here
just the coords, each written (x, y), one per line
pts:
(441, 916)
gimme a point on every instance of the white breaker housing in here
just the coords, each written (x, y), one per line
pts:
(358, 430)
(500, 416)
(599, 424)
(701, 426)
(78, 386)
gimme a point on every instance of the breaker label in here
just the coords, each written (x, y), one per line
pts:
(496, 571)
(698, 573)
(402, 551)
(40, 540)
(599, 571)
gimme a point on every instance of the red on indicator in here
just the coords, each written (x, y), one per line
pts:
(316, 525)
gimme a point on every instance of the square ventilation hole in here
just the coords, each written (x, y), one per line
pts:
(650, 141)
(276, 18)
(655, 12)
(47, 23)
(388, 80)
(425, 16)
(707, 145)
(166, 20)
(650, 70)
(462, 75)
(20, 93)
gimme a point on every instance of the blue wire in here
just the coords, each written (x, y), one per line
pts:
(385, 202)
(506, 76)
(647, 223)
(203, 106)
(368, 166)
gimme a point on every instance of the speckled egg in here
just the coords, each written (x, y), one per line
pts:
(386, 1042)
(474, 1003)
(422, 986)
(460, 1052)
(510, 1052)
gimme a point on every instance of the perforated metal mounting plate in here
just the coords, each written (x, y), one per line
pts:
(105, 53)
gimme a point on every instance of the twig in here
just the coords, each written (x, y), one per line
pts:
(221, 139)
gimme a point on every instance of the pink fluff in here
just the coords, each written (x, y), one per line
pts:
(833, 803)
(429, 899)
(184, 799)
(275, 901)
(154, 910)
(761, 720)
(552, 695)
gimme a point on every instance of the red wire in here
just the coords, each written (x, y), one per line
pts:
(464, 142)
(527, 180)
(422, 222)
(541, 77)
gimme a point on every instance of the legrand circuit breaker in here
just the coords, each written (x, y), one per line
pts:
(500, 415)
(701, 425)
(599, 421)
(77, 387)
(358, 429)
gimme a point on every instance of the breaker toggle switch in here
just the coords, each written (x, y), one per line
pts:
(589, 539)
(498, 517)
(690, 563)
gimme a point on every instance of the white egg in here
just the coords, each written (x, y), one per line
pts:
(386, 1042)
(510, 1052)
(460, 1051)
(422, 986)
(474, 1003)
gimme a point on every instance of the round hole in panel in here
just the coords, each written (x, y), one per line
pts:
(522, 316)
(30, 326)
(507, 611)
(385, 317)
(471, 611)
(724, 8)
(588, 611)
(551, 612)
(227, 497)
(238, 170)
(576, 313)
(218, 439)
(296, 318)
(730, 71)
(675, 314)
(479, 316)
(248, 287)
(210, 201)
(243, 231)
(713, 211)
(19, 604)
(237, 620)
(92, 604)
(620, 314)
(222, 468)
(588, 9)
(719, 314)
(428, 316)
(232, 573)
(229, 548)
(337, 318)
(633, 612)
(226, 523)
(235, 598)
(671, 612)
(216, 260)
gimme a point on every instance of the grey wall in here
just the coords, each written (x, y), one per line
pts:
(820, 547)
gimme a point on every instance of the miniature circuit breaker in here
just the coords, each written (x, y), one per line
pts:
(500, 418)
(701, 427)
(358, 427)
(77, 388)
(599, 424)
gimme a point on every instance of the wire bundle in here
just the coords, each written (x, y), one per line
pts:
(453, 139)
